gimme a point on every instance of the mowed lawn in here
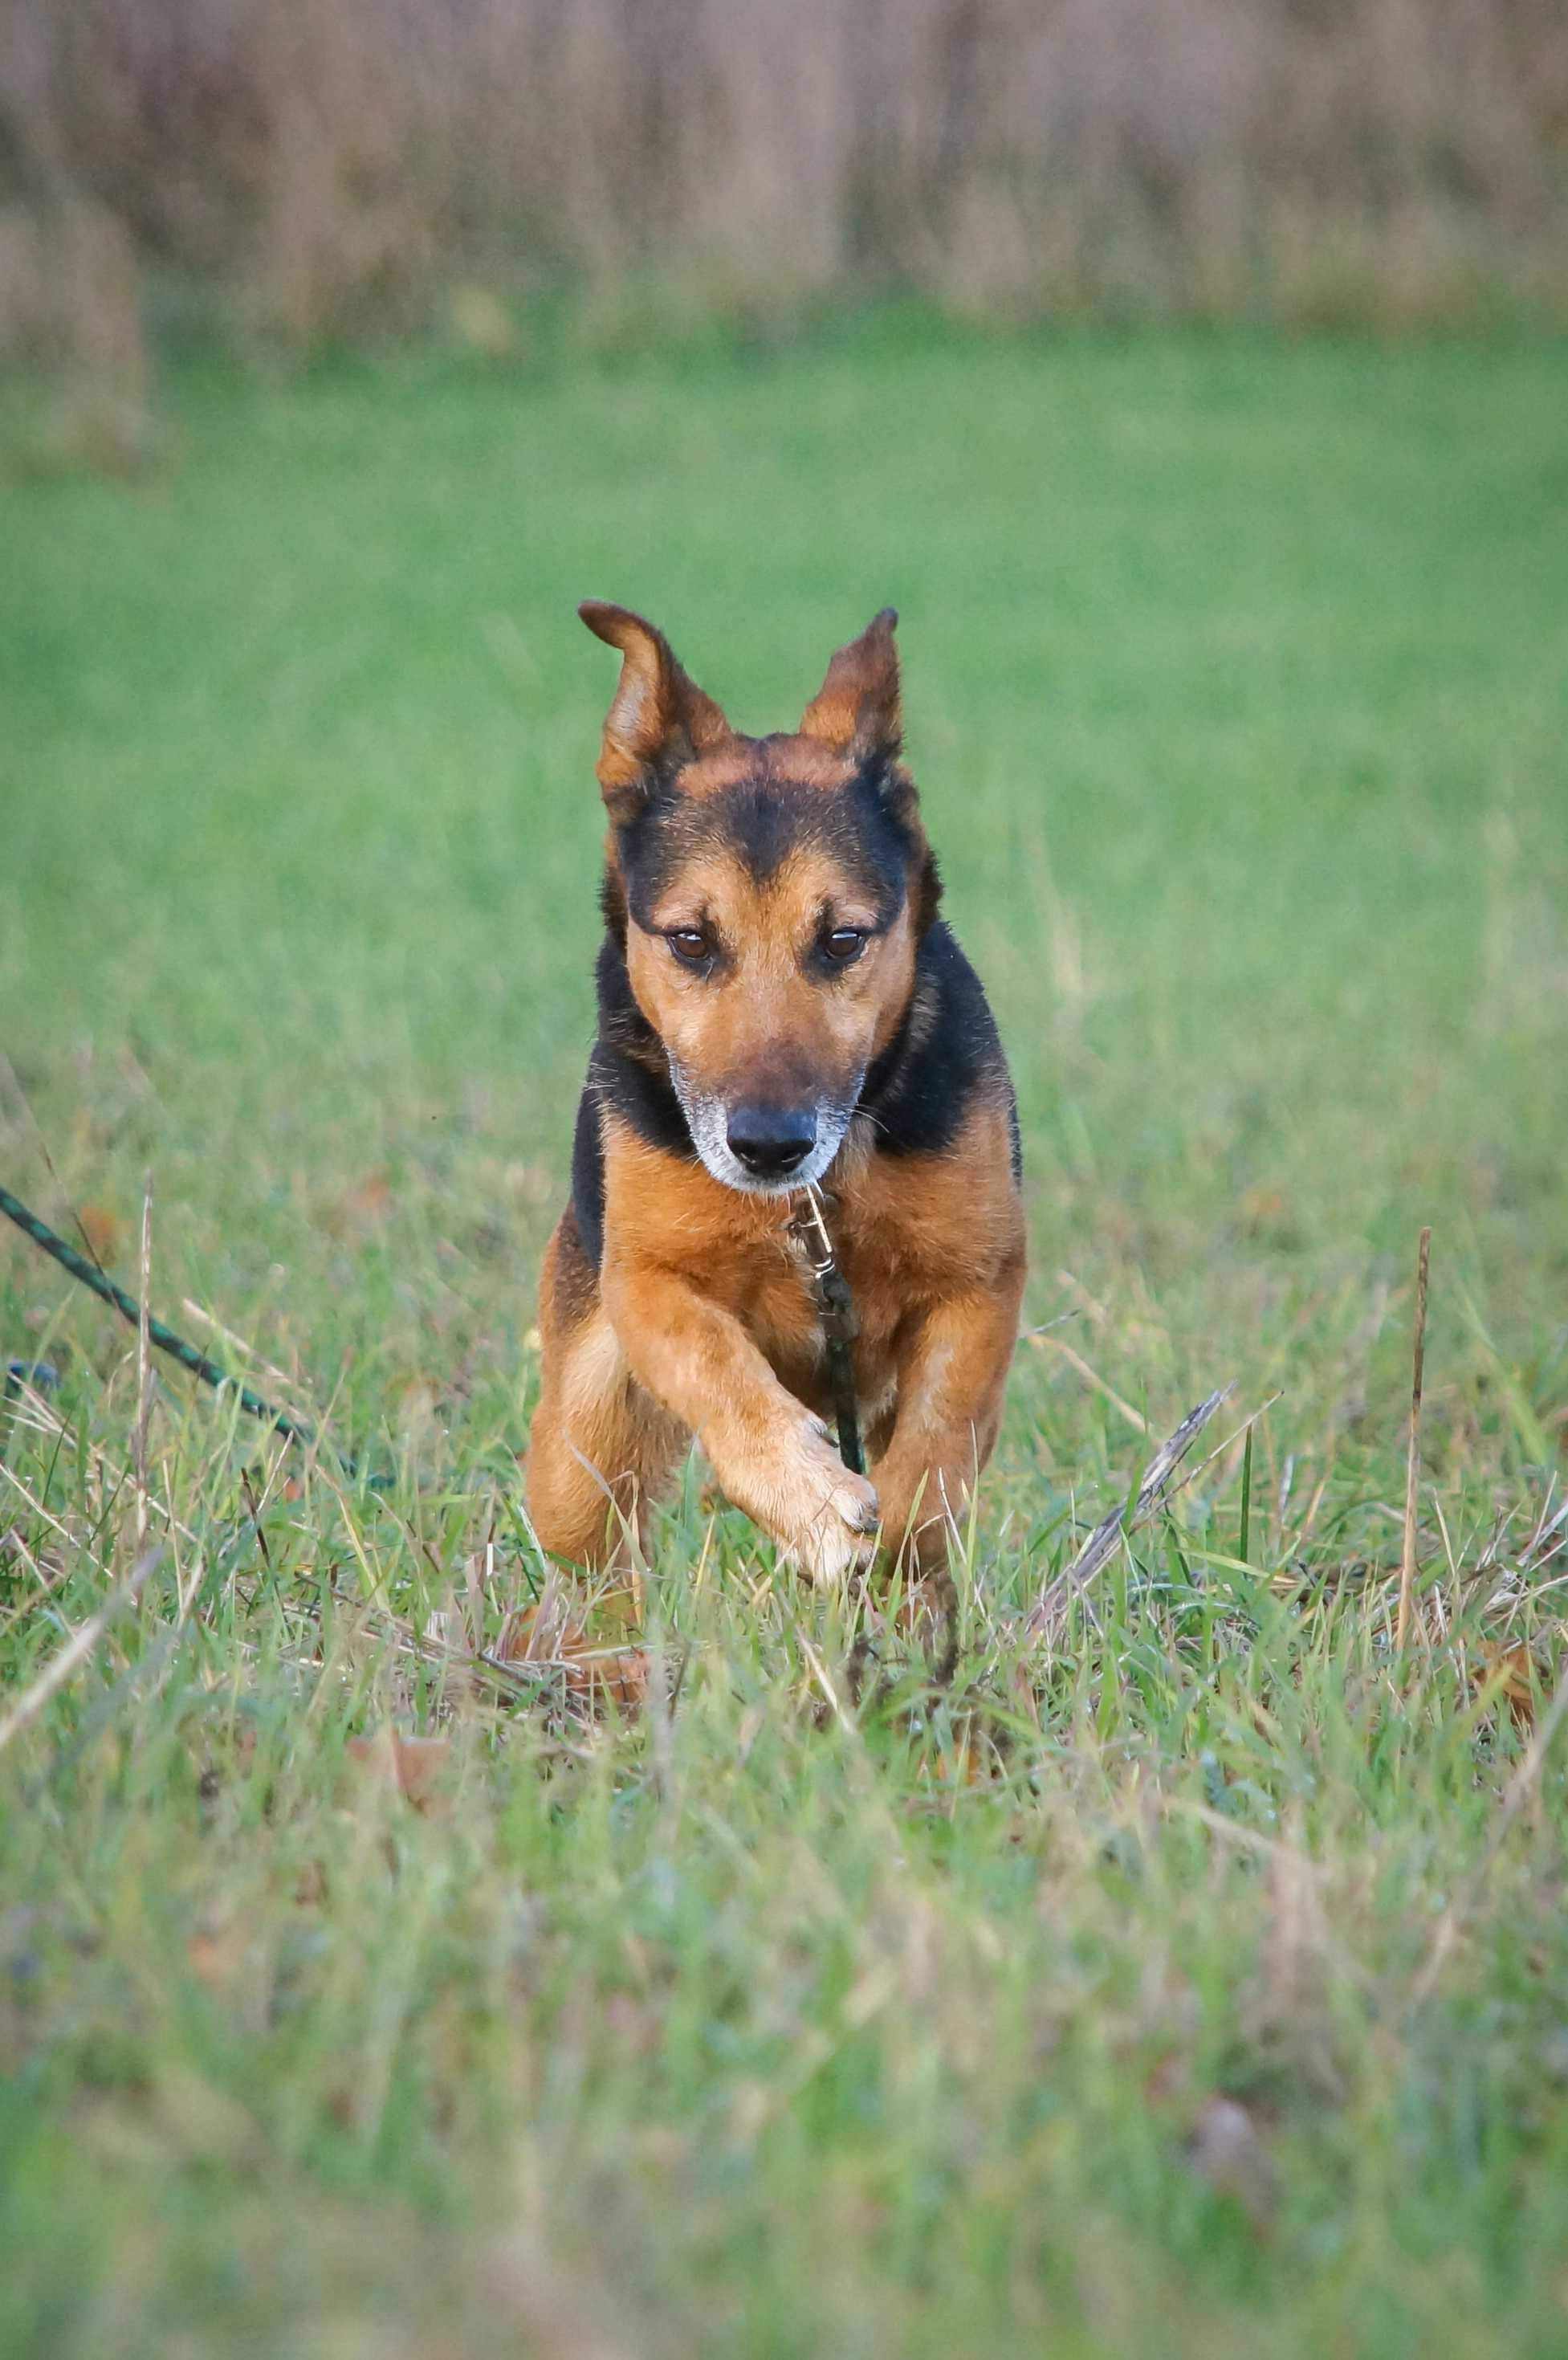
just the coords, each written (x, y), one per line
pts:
(1189, 1980)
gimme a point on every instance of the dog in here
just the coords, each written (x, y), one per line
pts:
(781, 1008)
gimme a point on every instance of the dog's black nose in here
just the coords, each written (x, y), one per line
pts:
(770, 1141)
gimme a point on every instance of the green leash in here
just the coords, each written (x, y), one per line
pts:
(59, 1251)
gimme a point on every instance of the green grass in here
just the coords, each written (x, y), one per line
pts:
(1238, 683)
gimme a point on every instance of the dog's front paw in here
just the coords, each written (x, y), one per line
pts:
(829, 1516)
(790, 1479)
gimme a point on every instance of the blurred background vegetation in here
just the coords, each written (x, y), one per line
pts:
(1238, 691)
(297, 173)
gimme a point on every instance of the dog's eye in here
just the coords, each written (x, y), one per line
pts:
(845, 943)
(691, 945)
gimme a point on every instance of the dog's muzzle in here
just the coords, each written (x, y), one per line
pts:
(772, 1143)
(762, 1149)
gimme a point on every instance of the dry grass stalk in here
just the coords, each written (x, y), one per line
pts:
(143, 1373)
(61, 1532)
(1092, 1376)
(819, 1673)
(1521, 1790)
(1237, 1434)
(236, 1344)
(1412, 1463)
(1101, 1545)
(41, 1418)
(77, 1649)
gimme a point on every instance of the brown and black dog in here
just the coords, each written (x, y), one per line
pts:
(779, 1003)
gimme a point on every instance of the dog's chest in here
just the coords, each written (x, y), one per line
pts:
(779, 1304)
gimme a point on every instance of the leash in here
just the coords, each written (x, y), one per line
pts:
(807, 1227)
(835, 1306)
(61, 1251)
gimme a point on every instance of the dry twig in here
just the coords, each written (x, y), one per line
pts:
(1101, 1545)
(1412, 1463)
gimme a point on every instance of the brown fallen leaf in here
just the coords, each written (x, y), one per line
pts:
(216, 1954)
(1169, 2082)
(359, 1207)
(1264, 1209)
(310, 1886)
(547, 1633)
(1507, 1673)
(967, 1761)
(414, 1765)
(1224, 2150)
(101, 1227)
(1023, 1695)
(637, 2025)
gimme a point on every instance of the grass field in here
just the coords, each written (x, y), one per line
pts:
(1193, 1982)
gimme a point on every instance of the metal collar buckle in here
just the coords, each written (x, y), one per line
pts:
(809, 1229)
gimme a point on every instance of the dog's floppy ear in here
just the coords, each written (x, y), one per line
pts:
(658, 719)
(857, 711)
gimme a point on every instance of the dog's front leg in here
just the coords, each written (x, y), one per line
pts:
(951, 1379)
(771, 1456)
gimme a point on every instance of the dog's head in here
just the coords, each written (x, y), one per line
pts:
(771, 893)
